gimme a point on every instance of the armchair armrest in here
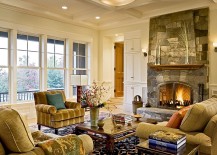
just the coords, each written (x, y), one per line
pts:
(46, 108)
(69, 144)
(72, 105)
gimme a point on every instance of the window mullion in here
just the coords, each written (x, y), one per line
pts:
(13, 69)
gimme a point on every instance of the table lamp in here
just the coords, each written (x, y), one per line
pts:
(79, 81)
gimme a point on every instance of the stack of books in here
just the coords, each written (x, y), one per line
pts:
(167, 141)
(122, 118)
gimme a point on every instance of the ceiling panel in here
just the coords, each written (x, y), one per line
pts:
(85, 11)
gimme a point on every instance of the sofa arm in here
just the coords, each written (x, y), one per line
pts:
(69, 144)
(145, 129)
(87, 143)
(46, 108)
(211, 131)
(72, 105)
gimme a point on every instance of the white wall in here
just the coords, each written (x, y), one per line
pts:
(212, 54)
(106, 52)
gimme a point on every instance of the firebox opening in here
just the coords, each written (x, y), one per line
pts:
(174, 95)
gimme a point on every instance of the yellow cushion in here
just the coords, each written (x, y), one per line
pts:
(15, 134)
(199, 115)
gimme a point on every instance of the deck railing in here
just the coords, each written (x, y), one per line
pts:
(21, 95)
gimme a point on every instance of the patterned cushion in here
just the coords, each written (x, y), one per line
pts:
(15, 134)
(72, 146)
(39, 136)
(176, 119)
(56, 100)
(199, 115)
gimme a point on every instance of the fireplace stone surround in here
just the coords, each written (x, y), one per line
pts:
(191, 77)
(179, 39)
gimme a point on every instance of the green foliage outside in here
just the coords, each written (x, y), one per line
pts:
(28, 79)
(3, 80)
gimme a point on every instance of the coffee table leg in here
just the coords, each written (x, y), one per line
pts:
(110, 144)
(139, 152)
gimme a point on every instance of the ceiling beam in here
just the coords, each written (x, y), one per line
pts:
(134, 13)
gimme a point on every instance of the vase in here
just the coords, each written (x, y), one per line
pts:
(94, 116)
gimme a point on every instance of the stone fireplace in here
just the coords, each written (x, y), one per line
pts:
(177, 59)
(174, 95)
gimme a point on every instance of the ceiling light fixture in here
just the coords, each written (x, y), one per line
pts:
(117, 2)
(97, 17)
(64, 7)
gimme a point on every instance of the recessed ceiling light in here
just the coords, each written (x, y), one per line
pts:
(64, 7)
(97, 17)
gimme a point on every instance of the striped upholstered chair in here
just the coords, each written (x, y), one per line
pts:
(48, 115)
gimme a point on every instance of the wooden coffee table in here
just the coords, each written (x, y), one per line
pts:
(108, 133)
(143, 148)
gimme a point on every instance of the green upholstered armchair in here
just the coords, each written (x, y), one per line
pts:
(48, 115)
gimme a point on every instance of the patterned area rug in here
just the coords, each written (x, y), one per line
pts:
(124, 147)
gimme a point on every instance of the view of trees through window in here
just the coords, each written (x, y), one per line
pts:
(55, 64)
(28, 66)
(4, 66)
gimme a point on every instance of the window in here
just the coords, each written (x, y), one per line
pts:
(80, 61)
(28, 66)
(4, 66)
(55, 64)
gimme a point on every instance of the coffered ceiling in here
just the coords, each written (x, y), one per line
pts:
(83, 12)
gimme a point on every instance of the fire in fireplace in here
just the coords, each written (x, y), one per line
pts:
(174, 95)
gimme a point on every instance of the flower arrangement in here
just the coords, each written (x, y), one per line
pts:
(95, 95)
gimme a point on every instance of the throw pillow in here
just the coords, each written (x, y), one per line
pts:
(15, 134)
(199, 115)
(56, 100)
(69, 145)
(176, 119)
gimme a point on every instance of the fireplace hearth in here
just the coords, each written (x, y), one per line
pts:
(174, 95)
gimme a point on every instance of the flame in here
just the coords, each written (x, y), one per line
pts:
(179, 95)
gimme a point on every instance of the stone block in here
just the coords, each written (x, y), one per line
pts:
(161, 28)
(203, 40)
(203, 12)
(191, 43)
(201, 33)
(199, 47)
(159, 79)
(203, 55)
(161, 35)
(204, 47)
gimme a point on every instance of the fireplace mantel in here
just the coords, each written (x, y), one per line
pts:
(176, 67)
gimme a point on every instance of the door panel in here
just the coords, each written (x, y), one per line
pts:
(119, 69)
